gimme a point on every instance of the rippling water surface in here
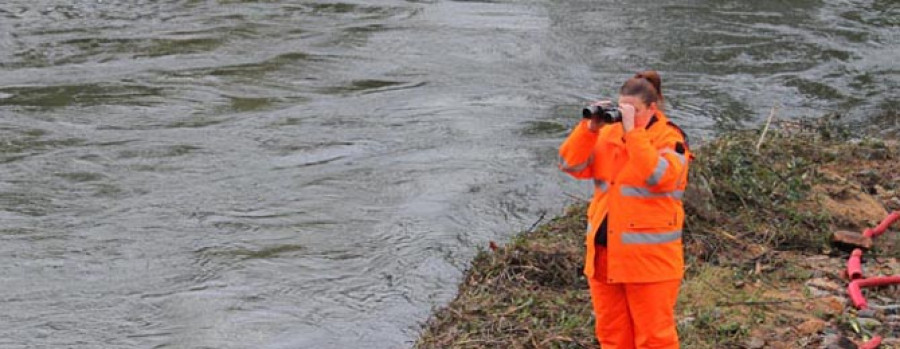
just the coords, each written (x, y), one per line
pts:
(282, 174)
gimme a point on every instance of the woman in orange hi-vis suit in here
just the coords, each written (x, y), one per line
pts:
(634, 262)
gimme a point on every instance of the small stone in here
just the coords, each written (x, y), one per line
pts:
(687, 320)
(849, 238)
(811, 326)
(830, 306)
(868, 323)
(780, 332)
(824, 284)
(756, 343)
(890, 342)
(838, 342)
(866, 313)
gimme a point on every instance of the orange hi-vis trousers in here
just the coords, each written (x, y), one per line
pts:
(633, 315)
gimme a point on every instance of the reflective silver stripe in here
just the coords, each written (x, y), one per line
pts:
(646, 193)
(650, 238)
(577, 168)
(681, 157)
(601, 184)
(661, 165)
(684, 168)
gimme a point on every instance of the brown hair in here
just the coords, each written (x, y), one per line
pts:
(647, 85)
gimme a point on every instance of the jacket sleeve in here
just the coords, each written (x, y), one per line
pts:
(576, 154)
(658, 167)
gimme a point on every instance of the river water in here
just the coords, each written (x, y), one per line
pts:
(300, 174)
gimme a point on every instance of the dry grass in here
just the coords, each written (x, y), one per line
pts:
(527, 294)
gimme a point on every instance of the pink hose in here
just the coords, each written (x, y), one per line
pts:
(890, 219)
(854, 265)
(872, 343)
(856, 295)
(854, 271)
(856, 286)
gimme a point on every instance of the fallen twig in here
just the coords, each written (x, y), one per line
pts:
(766, 128)
(538, 221)
(576, 197)
(779, 301)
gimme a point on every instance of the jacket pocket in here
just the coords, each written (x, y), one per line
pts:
(650, 220)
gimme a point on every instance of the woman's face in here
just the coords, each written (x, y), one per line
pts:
(642, 111)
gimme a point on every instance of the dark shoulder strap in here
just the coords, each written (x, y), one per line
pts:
(653, 120)
(683, 135)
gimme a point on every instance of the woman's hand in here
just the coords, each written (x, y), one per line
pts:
(627, 116)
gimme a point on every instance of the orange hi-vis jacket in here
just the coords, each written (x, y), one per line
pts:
(639, 181)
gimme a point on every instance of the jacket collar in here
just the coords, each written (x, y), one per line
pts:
(658, 118)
